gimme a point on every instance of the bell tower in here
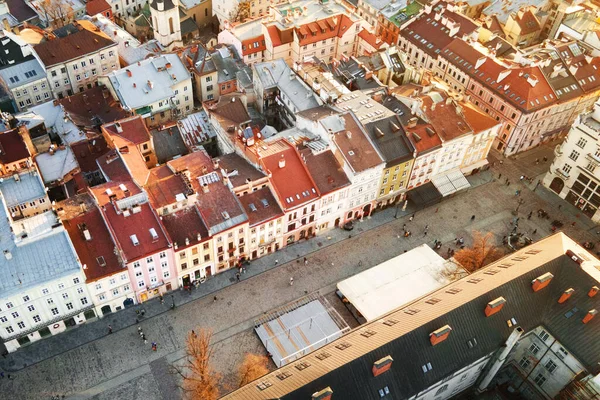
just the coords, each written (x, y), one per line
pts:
(166, 23)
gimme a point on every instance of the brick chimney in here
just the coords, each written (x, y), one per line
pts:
(541, 281)
(593, 291)
(382, 365)
(494, 306)
(588, 317)
(566, 294)
(324, 394)
(440, 335)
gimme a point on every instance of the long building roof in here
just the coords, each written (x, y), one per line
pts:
(345, 364)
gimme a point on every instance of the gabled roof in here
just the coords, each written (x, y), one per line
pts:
(185, 224)
(21, 74)
(445, 117)
(97, 255)
(325, 170)
(71, 47)
(527, 22)
(132, 130)
(12, 147)
(164, 186)
(219, 207)
(404, 334)
(138, 224)
(324, 29)
(260, 206)
(193, 165)
(290, 178)
(389, 137)
(21, 10)
(93, 107)
(93, 7)
(239, 170)
(88, 151)
(229, 111)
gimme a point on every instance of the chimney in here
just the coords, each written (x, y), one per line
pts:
(119, 127)
(494, 306)
(282, 162)
(324, 394)
(382, 365)
(480, 62)
(187, 241)
(129, 74)
(349, 134)
(216, 163)
(440, 335)
(532, 80)
(412, 122)
(175, 245)
(566, 294)
(369, 75)
(593, 291)
(87, 235)
(541, 281)
(150, 84)
(198, 237)
(588, 317)
(205, 187)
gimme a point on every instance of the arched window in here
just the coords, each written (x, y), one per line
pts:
(171, 25)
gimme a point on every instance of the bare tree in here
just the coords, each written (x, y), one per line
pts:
(58, 13)
(240, 12)
(481, 253)
(200, 381)
(253, 367)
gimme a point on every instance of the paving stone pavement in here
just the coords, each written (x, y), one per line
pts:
(87, 363)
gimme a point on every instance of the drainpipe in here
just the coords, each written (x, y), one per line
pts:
(500, 358)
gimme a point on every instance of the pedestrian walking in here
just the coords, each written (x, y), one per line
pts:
(573, 224)
(109, 329)
(215, 299)
(194, 333)
(559, 206)
(500, 175)
(545, 159)
(436, 210)
(411, 218)
(529, 215)
(144, 337)
(140, 330)
(154, 346)
(534, 232)
(237, 276)
(426, 226)
(292, 281)
(276, 262)
(522, 177)
(537, 161)
(305, 261)
(508, 183)
(425, 233)
(2, 374)
(472, 218)
(404, 227)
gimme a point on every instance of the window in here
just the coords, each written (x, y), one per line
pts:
(566, 168)
(3, 319)
(21, 324)
(69, 306)
(61, 286)
(65, 296)
(112, 281)
(15, 315)
(9, 305)
(442, 389)
(31, 308)
(25, 299)
(149, 259)
(136, 264)
(54, 311)
(50, 301)
(534, 348)
(551, 366)
(76, 281)
(166, 274)
(141, 284)
(581, 142)
(163, 255)
(544, 335)
(525, 362)
(115, 292)
(84, 300)
(540, 379)
(36, 318)
(9, 329)
(574, 155)
(98, 286)
(80, 290)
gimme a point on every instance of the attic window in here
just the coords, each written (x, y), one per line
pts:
(433, 301)
(265, 203)
(264, 384)
(519, 258)
(505, 265)
(511, 322)
(472, 343)
(350, 153)
(571, 312)
(475, 280)
(323, 355)
(368, 333)
(411, 311)
(252, 207)
(134, 240)
(439, 335)
(343, 346)
(283, 375)
(390, 322)
(453, 291)
(302, 365)
(100, 261)
(426, 368)
(225, 214)
(491, 272)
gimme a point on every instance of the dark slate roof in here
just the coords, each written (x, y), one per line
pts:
(188, 26)
(390, 138)
(348, 372)
(168, 4)
(21, 10)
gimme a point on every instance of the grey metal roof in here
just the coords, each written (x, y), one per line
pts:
(226, 62)
(148, 70)
(188, 26)
(278, 73)
(390, 138)
(45, 254)
(21, 74)
(28, 187)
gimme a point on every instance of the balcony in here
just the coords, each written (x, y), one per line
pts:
(593, 158)
(562, 173)
(558, 150)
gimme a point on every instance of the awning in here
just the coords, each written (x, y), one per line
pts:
(424, 195)
(450, 182)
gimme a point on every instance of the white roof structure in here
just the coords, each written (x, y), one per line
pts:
(56, 164)
(26, 187)
(55, 119)
(148, 81)
(195, 129)
(130, 49)
(398, 281)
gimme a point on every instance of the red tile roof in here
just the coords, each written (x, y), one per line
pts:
(163, 185)
(219, 207)
(193, 165)
(88, 151)
(97, 255)
(279, 37)
(372, 39)
(324, 29)
(476, 118)
(93, 7)
(260, 206)
(75, 45)
(109, 191)
(185, 224)
(528, 23)
(423, 137)
(138, 224)
(445, 120)
(325, 170)
(93, 107)
(355, 144)
(12, 147)
(292, 184)
(254, 45)
(134, 130)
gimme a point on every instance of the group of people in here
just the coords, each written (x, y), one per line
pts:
(145, 339)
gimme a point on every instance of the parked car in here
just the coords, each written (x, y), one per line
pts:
(348, 226)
